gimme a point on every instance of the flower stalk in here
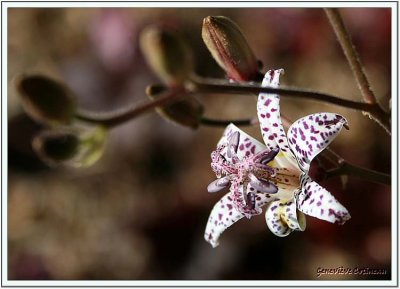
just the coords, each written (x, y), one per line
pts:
(348, 169)
(205, 86)
(118, 117)
(375, 111)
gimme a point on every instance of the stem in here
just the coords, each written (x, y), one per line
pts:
(222, 123)
(214, 86)
(351, 54)
(376, 112)
(117, 117)
(366, 174)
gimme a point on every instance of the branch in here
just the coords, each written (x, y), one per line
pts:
(207, 85)
(120, 116)
(353, 170)
(352, 56)
(376, 112)
(223, 123)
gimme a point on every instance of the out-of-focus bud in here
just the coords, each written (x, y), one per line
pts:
(53, 146)
(70, 148)
(229, 48)
(167, 54)
(186, 112)
(154, 89)
(46, 100)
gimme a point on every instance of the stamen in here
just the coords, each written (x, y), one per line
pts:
(262, 185)
(218, 185)
(266, 156)
(233, 144)
(271, 171)
(269, 156)
(250, 200)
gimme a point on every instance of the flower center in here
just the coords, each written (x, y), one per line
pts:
(249, 177)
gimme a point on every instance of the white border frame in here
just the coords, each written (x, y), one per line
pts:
(164, 283)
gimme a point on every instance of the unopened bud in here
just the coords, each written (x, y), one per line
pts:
(229, 48)
(46, 100)
(76, 148)
(54, 147)
(167, 54)
(155, 89)
(186, 112)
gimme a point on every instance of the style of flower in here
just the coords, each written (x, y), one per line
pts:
(275, 174)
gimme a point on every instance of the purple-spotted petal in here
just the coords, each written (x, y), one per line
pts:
(274, 220)
(294, 218)
(273, 133)
(287, 182)
(315, 201)
(311, 134)
(268, 112)
(246, 145)
(222, 216)
(283, 217)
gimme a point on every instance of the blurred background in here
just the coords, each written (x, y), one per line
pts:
(140, 212)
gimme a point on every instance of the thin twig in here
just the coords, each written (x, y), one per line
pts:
(216, 86)
(222, 123)
(352, 56)
(120, 116)
(376, 112)
(353, 170)
(207, 85)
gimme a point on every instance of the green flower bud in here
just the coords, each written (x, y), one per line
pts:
(70, 147)
(54, 146)
(229, 48)
(46, 100)
(167, 54)
(186, 112)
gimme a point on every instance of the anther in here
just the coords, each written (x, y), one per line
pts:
(218, 185)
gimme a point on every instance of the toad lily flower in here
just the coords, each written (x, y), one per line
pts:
(275, 174)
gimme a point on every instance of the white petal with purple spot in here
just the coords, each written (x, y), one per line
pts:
(315, 201)
(274, 220)
(268, 111)
(247, 145)
(310, 135)
(292, 217)
(222, 216)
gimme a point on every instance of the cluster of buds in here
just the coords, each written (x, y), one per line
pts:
(54, 106)
(171, 59)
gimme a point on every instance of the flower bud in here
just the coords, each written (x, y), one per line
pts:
(186, 112)
(70, 147)
(155, 89)
(54, 147)
(229, 48)
(46, 100)
(167, 54)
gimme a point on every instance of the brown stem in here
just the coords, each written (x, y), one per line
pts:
(115, 118)
(222, 123)
(202, 85)
(216, 86)
(375, 112)
(351, 54)
(353, 170)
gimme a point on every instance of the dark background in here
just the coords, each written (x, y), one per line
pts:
(140, 212)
